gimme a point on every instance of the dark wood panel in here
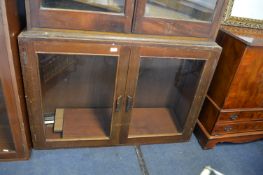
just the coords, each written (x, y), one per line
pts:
(208, 115)
(227, 66)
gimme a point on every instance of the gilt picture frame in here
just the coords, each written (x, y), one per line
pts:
(231, 20)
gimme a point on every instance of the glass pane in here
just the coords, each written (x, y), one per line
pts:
(190, 10)
(165, 91)
(113, 6)
(6, 140)
(78, 91)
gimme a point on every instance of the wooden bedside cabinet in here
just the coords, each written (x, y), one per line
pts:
(233, 109)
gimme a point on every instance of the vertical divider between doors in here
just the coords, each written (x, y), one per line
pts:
(121, 79)
(130, 90)
(139, 11)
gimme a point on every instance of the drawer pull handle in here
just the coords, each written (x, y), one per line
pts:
(234, 117)
(228, 128)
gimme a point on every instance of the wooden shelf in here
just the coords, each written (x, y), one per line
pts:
(83, 124)
(153, 122)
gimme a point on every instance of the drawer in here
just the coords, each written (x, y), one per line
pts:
(238, 127)
(240, 116)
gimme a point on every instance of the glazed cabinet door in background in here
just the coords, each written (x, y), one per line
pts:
(165, 90)
(74, 91)
(6, 138)
(194, 18)
(14, 129)
(97, 15)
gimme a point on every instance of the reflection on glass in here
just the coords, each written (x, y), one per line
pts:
(190, 10)
(165, 91)
(83, 88)
(6, 141)
(114, 6)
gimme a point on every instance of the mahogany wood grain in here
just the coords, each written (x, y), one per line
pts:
(246, 89)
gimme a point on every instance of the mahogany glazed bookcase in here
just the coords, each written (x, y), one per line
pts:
(111, 72)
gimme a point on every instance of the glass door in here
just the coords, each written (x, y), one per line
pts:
(177, 17)
(188, 10)
(97, 15)
(164, 94)
(163, 84)
(78, 91)
(79, 94)
(6, 138)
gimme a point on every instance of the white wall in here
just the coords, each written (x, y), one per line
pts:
(252, 9)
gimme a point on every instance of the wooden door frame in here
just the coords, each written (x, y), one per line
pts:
(30, 66)
(159, 26)
(179, 52)
(11, 81)
(38, 17)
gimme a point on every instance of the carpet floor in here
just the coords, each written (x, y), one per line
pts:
(160, 159)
